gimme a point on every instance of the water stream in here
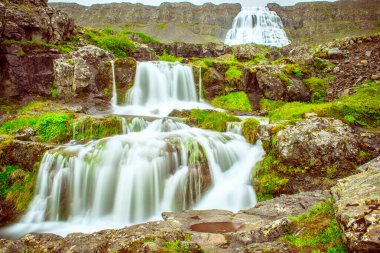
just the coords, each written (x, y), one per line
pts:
(154, 166)
(257, 25)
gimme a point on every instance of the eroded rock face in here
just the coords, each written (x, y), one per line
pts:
(83, 72)
(357, 208)
(34, 20)
(317, 143)
(188, 50)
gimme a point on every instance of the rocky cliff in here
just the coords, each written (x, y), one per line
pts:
(318, 22)
(168, 22)
(311, 23)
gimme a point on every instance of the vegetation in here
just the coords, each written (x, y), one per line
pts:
(87, 128)
(233, 74)
(316, 230)
(5, 179)
(118, 43)
(233, 101)
(170, 58)
(62, 48)
(361, 108)
(146, 39)
(178, 247)
(249, 129)
(318, 88)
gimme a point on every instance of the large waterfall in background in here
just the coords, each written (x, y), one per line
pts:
(159, 88)
(257, 25)
(154, 166)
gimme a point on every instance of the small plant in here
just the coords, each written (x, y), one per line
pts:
(54, 92)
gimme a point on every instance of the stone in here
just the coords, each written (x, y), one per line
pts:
(364, 62)
(317, 143)
(310, 115)
(334, 53)
(271, 86)
(357, 208)
(368, 54)
(86, 71)
(375, 76)
(336, 70)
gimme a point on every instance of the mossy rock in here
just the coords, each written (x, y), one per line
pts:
(250, 128)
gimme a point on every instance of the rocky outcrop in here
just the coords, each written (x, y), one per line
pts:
(318, 143)
(33, 20)
(168, 22)
(26, 69)
(318, 22)
(212, 230)
(84, 72)
(357, 208)
(188, 50)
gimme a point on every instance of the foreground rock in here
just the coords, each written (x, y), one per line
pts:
(213, 230)
(357, 208)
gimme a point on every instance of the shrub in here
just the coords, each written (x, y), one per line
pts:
(233, 101)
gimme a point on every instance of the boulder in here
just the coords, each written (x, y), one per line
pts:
(86, 71)
(334, 53)
(318, 143)
(188, 50)
(271, 85)
(357, 208)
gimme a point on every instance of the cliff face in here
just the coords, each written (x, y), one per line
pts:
(312, 23)
(168, 22)
(318, 22)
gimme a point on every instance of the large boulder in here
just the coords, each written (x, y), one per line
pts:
(357, 208)
(187, 50)
(87, 71)
(34, 20)
(318, 143)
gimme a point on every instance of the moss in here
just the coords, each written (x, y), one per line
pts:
(284, 78)
(20, 53)
(146, 39)
(233, 74)
(208, 119)
(233, 101)
(33, 106)
(88, 128)
(178, 247)
(320, 64)
(294, 69)
(318, 88)
(316, 230)
(5, 179)
(249, 129)
(64, 48)
(170, 58)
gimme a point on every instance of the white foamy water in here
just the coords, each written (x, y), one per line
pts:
(257, 25)
(153, 167)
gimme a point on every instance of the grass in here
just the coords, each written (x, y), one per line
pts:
(146, 39)
(178, 247)
(233, 74)
(5, 179)
(317, 229)
(21, 192)
(361, 108)
(62, 48)
(233, 101)
(170, 58)
(35, 105)
(249, 129)
(118, 43)
(318, 88)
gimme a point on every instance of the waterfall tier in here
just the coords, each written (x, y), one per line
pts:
(257, 25)
(131, 178)
(159, 88)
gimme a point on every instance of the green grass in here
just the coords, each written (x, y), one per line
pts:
(233, 74)
(118, 43)
(320, 233)
(49, 127)
(35, 105)
(177, 247)
(146, 39)
(5, 179)
(63, 48)
(249, 129)
(318, 88)
(233, 101)
(170, 58)
(361, 108)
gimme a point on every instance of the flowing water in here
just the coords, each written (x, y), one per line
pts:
(257, 25)
(154, 166)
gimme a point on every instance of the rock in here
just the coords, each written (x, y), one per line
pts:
(357, 208)
(144, 53)
(364, 62)
(271, 85)
(24, 134)
(297, 91)
(248, 52)
(317, 143)
(310, 115)
(86, 71)
(23, 153)
(375, 76)
(336, 70)
(301, 55)
(368, 54)
(371, 165)
(187, 50)
(34, 20)
(334, 53)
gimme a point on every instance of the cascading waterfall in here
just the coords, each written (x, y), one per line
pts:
(161, 87)
(153, 166)
(257, 25)
(114, 89)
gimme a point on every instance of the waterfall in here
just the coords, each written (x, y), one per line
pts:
(161, 87)
(126, 179)
(257, 25)
(114, 88)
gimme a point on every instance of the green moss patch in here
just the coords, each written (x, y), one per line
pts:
(170, 58)
(88, 128)
(233, 74)
(233, 101)
(318, 87)
(316, 231)
(249, 129)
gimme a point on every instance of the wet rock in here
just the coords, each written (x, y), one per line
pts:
(85, 72)
(317, 143)
(357, 208)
